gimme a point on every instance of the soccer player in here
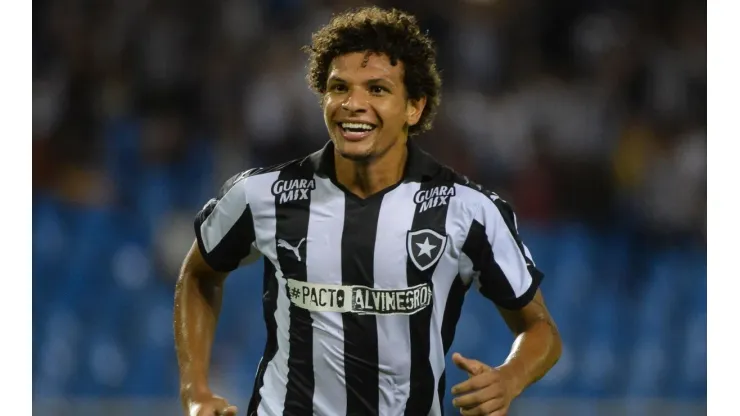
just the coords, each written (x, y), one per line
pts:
(369, 247)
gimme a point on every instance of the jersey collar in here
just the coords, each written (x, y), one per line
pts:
(420, 166)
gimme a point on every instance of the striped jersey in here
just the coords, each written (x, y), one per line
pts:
(361, 297)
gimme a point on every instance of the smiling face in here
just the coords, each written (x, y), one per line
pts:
(366, 109)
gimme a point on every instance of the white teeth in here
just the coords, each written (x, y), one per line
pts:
(357, 126)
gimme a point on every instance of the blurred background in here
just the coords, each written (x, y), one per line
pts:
(589, 116)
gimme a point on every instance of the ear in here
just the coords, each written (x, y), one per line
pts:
(414, 108)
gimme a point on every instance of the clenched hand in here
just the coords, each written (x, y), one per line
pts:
(211, 405)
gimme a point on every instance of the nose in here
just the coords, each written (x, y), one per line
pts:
(355, 101)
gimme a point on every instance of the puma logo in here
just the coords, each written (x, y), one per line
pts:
(285, 244)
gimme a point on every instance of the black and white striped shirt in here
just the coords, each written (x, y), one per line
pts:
(362, 296)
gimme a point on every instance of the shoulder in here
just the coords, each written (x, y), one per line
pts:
(472, 194)
(482, 205)
(258, 175)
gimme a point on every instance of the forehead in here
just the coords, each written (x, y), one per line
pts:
(357, 66)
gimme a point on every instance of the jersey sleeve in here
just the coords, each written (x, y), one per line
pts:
(224, 228)
(496, 259)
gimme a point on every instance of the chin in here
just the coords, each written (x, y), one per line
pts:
(357, 151)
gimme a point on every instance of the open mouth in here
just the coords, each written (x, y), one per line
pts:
(354, 131)
(357, 127)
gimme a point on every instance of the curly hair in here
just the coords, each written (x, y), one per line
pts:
(390, 32)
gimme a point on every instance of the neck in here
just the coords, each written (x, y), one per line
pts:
(367, 177)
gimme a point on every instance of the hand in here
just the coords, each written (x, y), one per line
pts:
(209, 404)
(486, 392)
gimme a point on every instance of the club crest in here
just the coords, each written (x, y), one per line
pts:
(425, 247)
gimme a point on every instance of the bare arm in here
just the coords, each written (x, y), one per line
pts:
(224, 237)
(537, 345)
(198, 297)
(497, 259)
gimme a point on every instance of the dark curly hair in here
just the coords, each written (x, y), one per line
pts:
(390, 32)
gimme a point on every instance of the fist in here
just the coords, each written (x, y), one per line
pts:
(210, 405)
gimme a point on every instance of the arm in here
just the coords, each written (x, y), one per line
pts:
(224, 240)
(198, 297)
(537, 344)
(498, 262)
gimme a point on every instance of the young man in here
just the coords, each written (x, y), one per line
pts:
(369, 247)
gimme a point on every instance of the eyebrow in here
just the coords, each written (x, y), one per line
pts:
(336, 79)
(371, 81)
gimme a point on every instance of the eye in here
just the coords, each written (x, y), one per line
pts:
(377, 90)
(338, 88)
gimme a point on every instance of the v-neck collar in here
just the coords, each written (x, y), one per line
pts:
(420, 167)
